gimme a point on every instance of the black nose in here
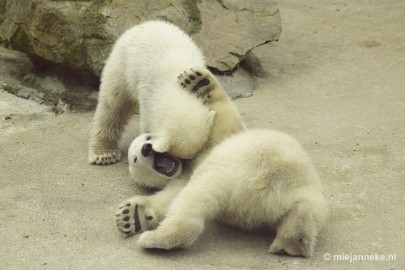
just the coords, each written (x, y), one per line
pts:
(147, 150)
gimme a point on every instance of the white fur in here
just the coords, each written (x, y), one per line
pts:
(227, 119)
(142, 70)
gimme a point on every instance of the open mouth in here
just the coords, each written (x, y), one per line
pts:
(165, 164)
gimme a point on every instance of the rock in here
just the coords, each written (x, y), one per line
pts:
(14, 65)
(76, 36)
(18, 78)
(231, 29)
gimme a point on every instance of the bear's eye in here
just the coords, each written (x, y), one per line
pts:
(148, 138)
(135, 159)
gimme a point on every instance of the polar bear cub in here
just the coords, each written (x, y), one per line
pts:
(254, 178)
(142, 71)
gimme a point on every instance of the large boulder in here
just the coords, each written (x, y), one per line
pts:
(77, 35)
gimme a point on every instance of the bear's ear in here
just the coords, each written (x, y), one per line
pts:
(211, 118)
(161, 144)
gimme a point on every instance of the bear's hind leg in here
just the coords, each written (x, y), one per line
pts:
(114, 109)
(297, 231)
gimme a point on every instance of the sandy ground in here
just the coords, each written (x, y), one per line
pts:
(336, 81)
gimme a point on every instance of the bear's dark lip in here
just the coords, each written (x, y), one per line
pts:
(165, 164)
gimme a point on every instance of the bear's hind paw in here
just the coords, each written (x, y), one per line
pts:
(198, 81)
(294, 245)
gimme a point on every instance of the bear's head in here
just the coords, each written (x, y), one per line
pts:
(150, 168)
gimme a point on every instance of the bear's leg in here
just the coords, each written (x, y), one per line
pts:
(201, 82)
(114, 109)
(143, 213)
(297, 231)
(185, 218)
(173, 233)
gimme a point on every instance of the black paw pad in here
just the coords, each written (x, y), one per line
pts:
(202, 83)
(137, 222)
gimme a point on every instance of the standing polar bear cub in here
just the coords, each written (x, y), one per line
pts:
(154, 169)
(142, 69)
(253, 179)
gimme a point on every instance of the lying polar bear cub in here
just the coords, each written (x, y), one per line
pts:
(254, 178)
(142, 70)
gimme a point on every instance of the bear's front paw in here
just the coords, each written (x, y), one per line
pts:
(198, 81)
(157, 239)
(104, 155)
(172, 233)
(135, 215)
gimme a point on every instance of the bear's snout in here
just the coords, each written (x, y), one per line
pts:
(147, 150)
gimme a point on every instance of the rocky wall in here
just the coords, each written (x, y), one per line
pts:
(76, 36)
